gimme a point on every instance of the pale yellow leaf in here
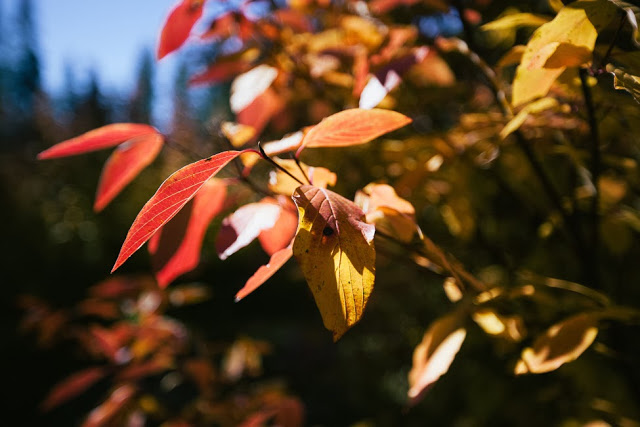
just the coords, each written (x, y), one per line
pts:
(533, 108)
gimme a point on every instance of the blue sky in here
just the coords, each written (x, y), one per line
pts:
(105, 36)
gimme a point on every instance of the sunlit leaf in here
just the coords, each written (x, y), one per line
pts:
(248, 86)
(238, 134)
(97, 139)
(277, 260)
(561, 343)
(508, 327)
(575, 28)
(172, 195)
(180, 240)
(124, 164)
(334, 248)
(104, 414)
(626, 81)
(515, 20)
(281, 234)
(353, 127)
(178, 25)
(260, 111)
(245, 224)
(532, 108)
(389, 212)
(73, 386)
(433, 356)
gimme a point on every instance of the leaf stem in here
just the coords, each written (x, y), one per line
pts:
(275, 164)
(596, 166)
(302, 170)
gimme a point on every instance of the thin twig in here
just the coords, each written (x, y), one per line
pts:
(275, 164)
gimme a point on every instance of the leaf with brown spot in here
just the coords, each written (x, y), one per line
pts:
(334, 248)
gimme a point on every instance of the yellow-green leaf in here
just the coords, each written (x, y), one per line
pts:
(515, 20)
(574, 30)
(334, 248)
(533, 108)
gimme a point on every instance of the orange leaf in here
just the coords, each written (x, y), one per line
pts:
(353, 127)
(124, 164)
(280, 235)
(180, 241)
(172, 195)
(433, 356)
(277, 260)
(245, 224)
(72, 386)
(104, 413)
(97, 139)
(178, 25)
(260, 111)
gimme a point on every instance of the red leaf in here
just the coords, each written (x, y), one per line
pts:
(245, 224)
(277, 260)
(72, 386)
(260, 111)
(178, 25)
(124, 164)
(280, 235)
(221, 27)
(172, 195)
(97, 139)
(179, 244)
(220, 72)
(353, 127)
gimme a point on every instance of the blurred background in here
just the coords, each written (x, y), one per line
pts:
(70, 66)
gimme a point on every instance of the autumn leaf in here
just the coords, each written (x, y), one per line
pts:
(277, 260)
(260, 111)
(574, 30)
(248, 86)
(172, 195)
(124, 164)
(97, 139)
(334, 248)
(281, 234)
(106, 411)
(281, 183)
(353, 127)
(237, 134)
(389, 212)
(178, 25)
(245, 224)
(515, 20)
(179, 241)
(561, 343)
(433, 356)
(535, 107)
(632, 12)
(73, 386)
(220, 72)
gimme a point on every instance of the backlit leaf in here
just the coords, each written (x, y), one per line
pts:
(353, 127)
(260, 111)
(532, 108)
(561, 343)
(178, 25)
(73, 386)
(281, 183)
(515, 20)
(124, 164)
(575, 28)
(238, 134)
(263, 273)
(97, 139)
(248, 86)
(180, 240)
(104, 413)
(281, 234)
(172, 195)
(245, 224)
(433, 356)
(390, 213)
(334, 248)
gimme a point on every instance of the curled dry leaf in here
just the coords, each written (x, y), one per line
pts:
(178, 25)
(97, 139)
(172, 195)
(124, 164)
(176, 248)
(389, 212)
(245, 224)
(433, 356)
(561, 343)
(353, 127)
(334, 248)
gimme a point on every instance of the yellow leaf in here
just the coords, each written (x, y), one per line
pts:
(533, 108)
(335, 251)
(238, 134)
(575, 28)
(281, 183)
(561, 343)
(433, 356)
(515, 20)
